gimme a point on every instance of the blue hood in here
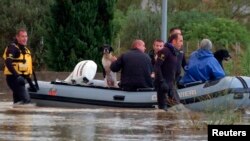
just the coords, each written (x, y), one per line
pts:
(201, 54)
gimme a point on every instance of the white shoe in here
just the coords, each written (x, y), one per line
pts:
(179, 108)
(24, 105)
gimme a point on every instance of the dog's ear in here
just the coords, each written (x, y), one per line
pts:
(219, 52)
(111, 49)
(227, 54)
(224, 53)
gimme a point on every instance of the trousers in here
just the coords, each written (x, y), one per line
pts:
(20, 93)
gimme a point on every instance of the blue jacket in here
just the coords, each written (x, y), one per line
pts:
(202, 66)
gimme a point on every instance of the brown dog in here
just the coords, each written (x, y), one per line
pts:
(110, 79)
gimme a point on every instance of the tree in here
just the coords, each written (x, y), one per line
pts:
(78, 28)
(123, 5)
(182, 18)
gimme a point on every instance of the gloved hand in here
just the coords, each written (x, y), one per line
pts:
(164, 87)
(32, 89)
(20, 80)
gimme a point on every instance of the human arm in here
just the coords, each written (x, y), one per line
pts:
(184, 62)
(160, 82)
(32, 87)
(216, 69)
(114, 58)
(11, 53)
(116, 65)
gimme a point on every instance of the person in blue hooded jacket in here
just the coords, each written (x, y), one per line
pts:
(202, 65)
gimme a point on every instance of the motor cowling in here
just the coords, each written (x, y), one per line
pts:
(83, 72)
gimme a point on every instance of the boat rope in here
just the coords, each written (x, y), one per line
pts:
(243, 82)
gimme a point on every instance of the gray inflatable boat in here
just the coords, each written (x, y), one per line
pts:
(229, 92)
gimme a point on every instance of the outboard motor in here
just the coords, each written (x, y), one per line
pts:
(83, 73)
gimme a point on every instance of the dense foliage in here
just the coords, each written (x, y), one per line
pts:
(78, 29)
(68, 31)
(224, 33)
(146, 25)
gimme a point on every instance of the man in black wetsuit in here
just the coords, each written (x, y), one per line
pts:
(135, 66)
(166, 69)
(18, 68)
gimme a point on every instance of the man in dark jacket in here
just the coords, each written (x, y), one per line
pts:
(158, 45)
(18, 67)
(166, 69)
(181, 56)
(135, 66)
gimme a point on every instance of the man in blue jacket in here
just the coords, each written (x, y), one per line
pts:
(202, 65)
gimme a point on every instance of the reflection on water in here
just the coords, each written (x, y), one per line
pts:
(58, 124)
(93, 125)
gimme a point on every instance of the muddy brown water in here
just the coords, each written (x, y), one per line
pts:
(100, 124)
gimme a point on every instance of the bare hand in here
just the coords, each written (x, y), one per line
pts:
(113, 59)
(152, 75)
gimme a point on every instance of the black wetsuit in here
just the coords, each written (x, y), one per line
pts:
(166, 68)
(136, 69)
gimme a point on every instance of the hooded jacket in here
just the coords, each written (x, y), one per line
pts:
(202, 67)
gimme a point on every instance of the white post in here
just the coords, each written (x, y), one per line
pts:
(164, 20)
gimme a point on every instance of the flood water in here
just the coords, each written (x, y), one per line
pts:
(101, 124)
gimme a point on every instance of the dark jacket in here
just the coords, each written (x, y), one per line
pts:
(166, 66)
(152, 55)
(136, 69)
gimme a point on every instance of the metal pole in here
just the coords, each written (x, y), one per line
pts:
(164, 20)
